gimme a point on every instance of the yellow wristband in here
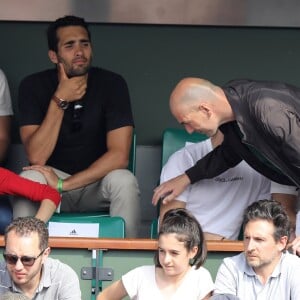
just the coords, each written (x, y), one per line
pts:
(59, 186)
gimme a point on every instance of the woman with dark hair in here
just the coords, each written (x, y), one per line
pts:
(178, 273)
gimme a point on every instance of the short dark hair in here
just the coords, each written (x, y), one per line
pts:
(24, 226)
(188, 230)
(63, 22)
(272, 211)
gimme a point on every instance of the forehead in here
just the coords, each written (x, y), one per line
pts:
(19, 243)
(263, 228)
(71, 33)
(170, 241)
(180, 109)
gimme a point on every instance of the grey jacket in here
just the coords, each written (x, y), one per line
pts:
(266, 133)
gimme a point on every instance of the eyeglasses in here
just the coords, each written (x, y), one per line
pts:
(27, 261)
(77, 112)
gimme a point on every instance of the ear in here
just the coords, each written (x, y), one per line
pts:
(52, 56)
(205, 108)
(193, 252)
(282, 243)
(46, 254)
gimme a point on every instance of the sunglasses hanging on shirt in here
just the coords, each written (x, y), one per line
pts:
(77, 116)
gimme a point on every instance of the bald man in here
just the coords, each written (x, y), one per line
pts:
(260, 121)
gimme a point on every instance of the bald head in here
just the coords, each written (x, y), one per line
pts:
(191, 91)
(200, 105)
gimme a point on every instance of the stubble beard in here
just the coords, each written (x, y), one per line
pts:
(75, 72)
(72, 72)
(260, 263)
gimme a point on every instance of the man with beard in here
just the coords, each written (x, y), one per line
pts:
(27, 268)
(76, 124)
(265, 270)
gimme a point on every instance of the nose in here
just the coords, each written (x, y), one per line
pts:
(189, 129)
(166, 258)
(79, 50)
(19, 265)
(249, 245)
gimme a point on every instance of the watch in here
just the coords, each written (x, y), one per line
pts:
(61, 103)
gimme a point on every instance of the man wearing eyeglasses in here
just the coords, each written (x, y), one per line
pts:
(29, 270)
(76, 125)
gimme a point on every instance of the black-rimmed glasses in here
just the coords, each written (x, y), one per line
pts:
(27, 261)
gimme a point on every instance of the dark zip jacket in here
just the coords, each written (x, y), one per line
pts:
(266, 133)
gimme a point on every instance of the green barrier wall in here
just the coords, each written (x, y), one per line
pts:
(121, 261)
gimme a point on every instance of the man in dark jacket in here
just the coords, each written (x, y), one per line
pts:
(260, 121)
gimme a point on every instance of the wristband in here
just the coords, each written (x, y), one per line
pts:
(59, 186)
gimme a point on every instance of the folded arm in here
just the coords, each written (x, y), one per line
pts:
(116, 157)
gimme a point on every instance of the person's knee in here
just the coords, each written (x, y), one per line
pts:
(123, 192)
(34, 176)
(121, 179)
(21, 206)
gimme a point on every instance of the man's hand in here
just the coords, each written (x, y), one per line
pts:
(170, 189)
(70, 89)
(47, 171)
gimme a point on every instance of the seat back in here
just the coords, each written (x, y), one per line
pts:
(132, 154)
(110, 227)
(176, 138)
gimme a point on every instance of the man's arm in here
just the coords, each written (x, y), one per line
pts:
(177, 163)
(40, 140)
(223, 157)
(5, 124)
(212, 164)
(283, 126)
(209, 166)
(116, 157)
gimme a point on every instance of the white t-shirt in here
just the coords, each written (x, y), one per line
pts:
(140, 284)
(217, 203)
(5, 100)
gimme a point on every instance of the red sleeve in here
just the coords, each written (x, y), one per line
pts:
(13, 184)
